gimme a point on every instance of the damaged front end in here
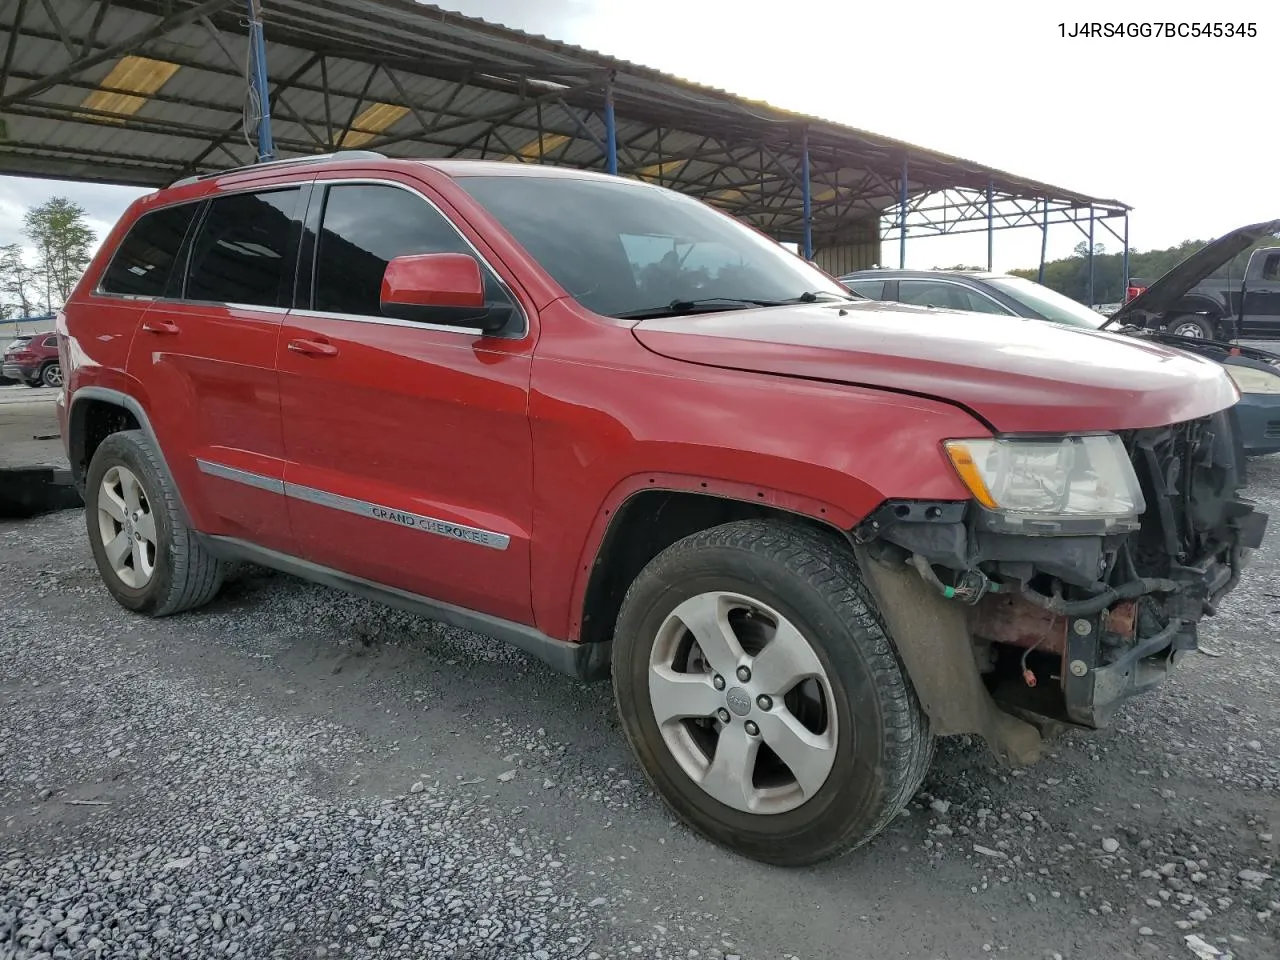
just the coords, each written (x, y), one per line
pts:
(1067, 617)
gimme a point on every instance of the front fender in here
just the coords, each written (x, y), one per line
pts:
(610, 418)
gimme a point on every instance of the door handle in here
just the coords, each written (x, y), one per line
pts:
(313, 348)
(160, 326)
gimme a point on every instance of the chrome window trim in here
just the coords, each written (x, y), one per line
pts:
(460, 532)
(217, 303)
(231, 192)
(396, 322)
(320, 182)
(521, 334)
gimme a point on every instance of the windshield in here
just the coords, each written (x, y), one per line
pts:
(1048, 304)
(630, 249)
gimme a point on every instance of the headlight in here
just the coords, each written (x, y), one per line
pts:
(1055, 479)
(1252, 380)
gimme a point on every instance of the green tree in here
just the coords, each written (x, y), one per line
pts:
(17, 282)
(62, 239)
(1070, 275)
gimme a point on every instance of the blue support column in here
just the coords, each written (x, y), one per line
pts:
(1125, 258)
(258, 81)
(1044, 239)
(610, 131)
(805, 195)
(991, 229)
(902, 217)
(1090, 303)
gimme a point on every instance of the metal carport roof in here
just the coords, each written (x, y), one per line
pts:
(145, 91)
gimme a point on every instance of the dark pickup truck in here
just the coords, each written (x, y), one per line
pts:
(1224, 309)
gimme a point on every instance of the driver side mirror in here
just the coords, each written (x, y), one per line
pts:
(444, 288)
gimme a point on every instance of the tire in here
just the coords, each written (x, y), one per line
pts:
(1193, 325)
(170, 571)
(51, 375)
(876, 752)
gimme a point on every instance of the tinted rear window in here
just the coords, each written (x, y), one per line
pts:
(245, 250)
(144, 260)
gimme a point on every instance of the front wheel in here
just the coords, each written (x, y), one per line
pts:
(760, 691)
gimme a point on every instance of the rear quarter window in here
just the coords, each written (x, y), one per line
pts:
(144, 260)
(871, 289)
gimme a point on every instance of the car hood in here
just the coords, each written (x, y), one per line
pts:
(1163, 294)
(1016, 375)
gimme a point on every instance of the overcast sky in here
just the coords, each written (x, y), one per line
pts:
(1187, 131)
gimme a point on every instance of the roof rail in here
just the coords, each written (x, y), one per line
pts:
(312, 158)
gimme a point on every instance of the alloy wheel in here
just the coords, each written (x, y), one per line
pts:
(743, 703)
(127, 527)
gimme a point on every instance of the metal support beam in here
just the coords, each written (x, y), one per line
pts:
(1044, 240)
(12, 47)
(52, 13)
(991, 227)
(328, 107)
(1090, 256)
(92, 35)
(541, 151)
(806, 199)
(610, 131)
(128, 45)
(902, 216)
(1125, 256)
(258, 80)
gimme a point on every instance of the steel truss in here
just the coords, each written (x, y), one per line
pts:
(793, 177)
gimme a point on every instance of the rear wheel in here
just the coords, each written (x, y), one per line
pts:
(147, 556)
(51, 375)
(1193, 325)
(762, 695)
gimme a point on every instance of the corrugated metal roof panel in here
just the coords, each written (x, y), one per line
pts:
(442, 79)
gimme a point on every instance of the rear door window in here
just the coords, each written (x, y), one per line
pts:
(951, 296)
(246, 249)
(144, 260)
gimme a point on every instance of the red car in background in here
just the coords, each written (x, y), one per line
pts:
(34, 362)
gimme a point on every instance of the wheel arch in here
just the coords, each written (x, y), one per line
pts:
(1198, 303)
(649, 512)
(97, 412)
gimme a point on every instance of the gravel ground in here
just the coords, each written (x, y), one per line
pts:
(292, 772)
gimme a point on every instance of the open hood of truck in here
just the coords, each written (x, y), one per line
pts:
(1019, 376)
(1163, 294)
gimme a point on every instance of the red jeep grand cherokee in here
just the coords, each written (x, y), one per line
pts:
(631, 435)
(34, 362)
